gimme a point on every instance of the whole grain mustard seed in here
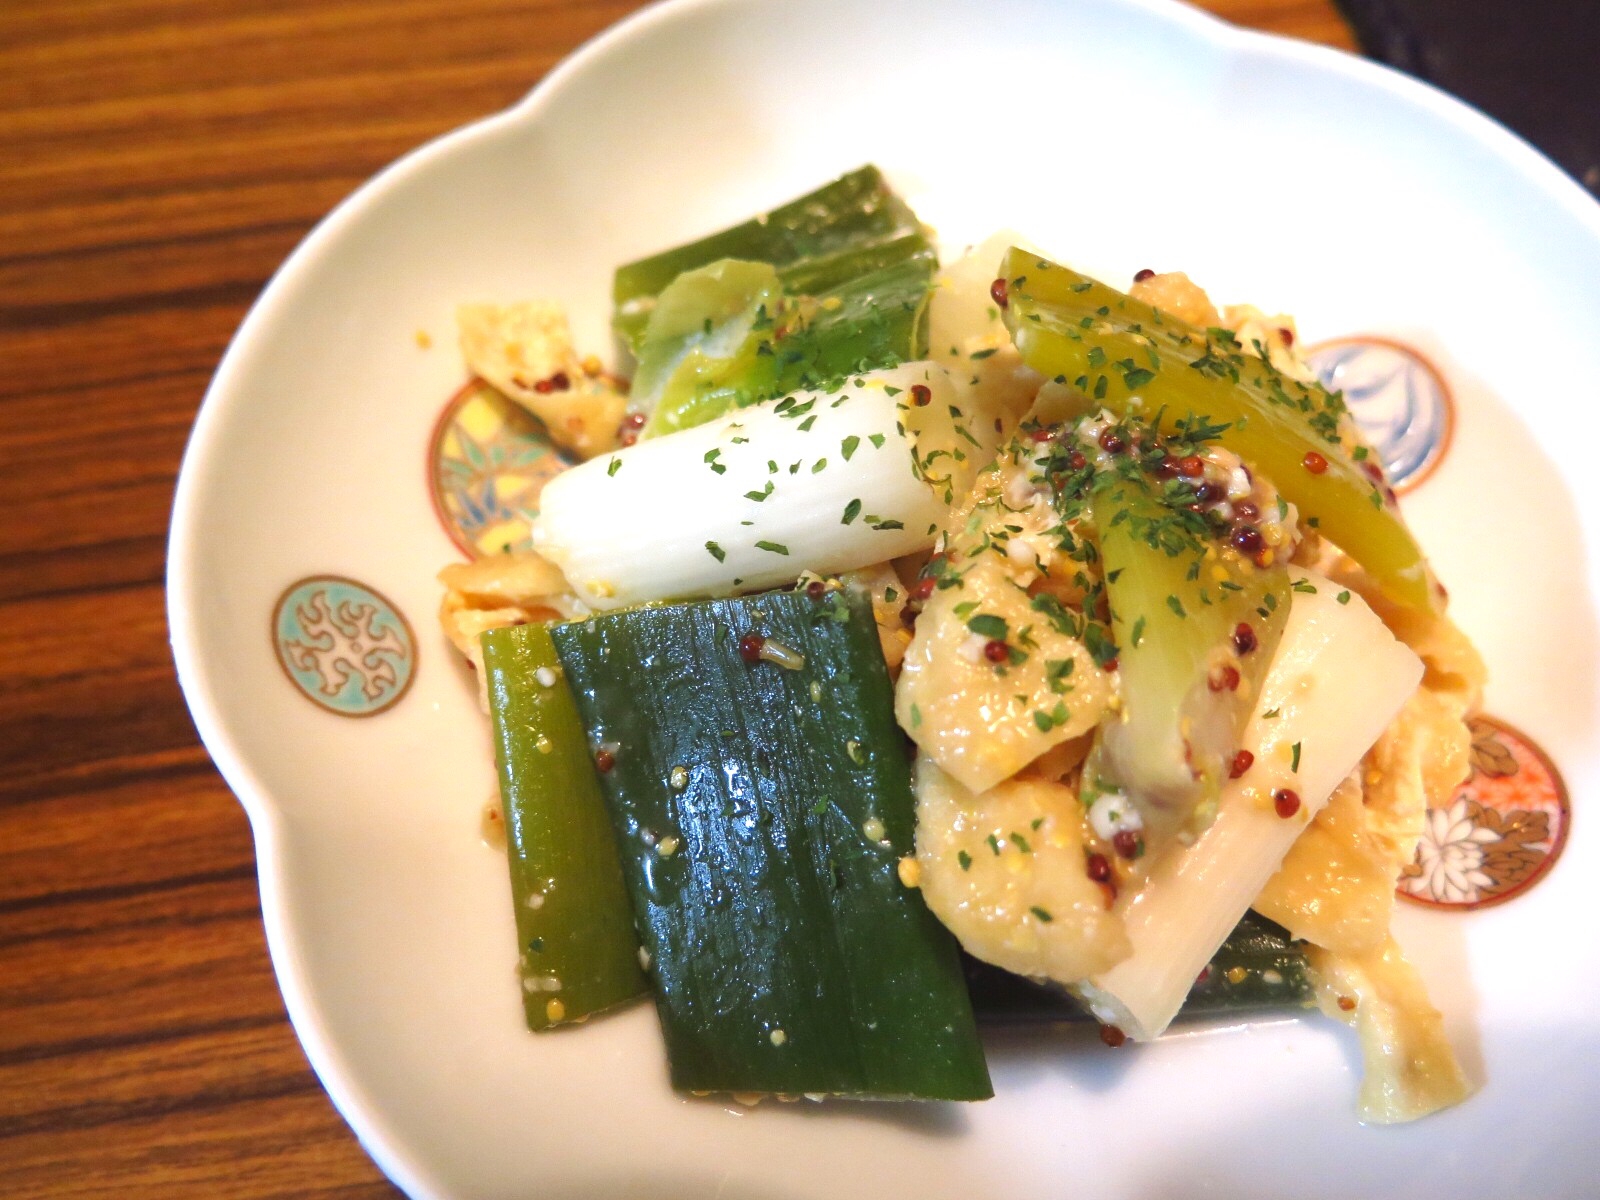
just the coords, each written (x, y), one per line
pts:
(780, 655)
(910, 871)
(872, 829)
(668, 846)
(554, 1010)
(678, 777)
(777, 1037)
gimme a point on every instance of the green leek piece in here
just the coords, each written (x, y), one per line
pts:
(708, 343)
(1259, 968)
(1110, 346)
(865, 323)
(762, 809)
(846, 229)
(723, 337)
(1175, 606)
(578, 950)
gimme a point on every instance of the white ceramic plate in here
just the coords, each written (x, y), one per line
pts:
(1119, 133)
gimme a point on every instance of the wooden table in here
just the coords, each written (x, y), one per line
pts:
(158, 159)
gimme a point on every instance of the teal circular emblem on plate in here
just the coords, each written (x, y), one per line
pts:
(347, 648)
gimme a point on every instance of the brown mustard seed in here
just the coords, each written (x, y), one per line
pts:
(1247, 540)
(1098, 867)
(1224, 679)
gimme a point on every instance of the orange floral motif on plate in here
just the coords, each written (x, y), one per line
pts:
(1501, 832)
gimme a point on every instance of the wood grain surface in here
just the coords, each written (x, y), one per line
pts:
(158, 159)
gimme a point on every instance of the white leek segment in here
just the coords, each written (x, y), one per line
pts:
(1337, 680)
(965, 332)
(962, 314)
(818, 481)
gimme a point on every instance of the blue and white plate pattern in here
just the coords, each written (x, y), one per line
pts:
(1397, 397)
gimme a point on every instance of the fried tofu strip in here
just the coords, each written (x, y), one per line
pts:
(525, 351)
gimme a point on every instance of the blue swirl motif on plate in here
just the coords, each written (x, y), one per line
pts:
(1396, 397)
(344, 646)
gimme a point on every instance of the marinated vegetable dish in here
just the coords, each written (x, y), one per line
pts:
(917, 644)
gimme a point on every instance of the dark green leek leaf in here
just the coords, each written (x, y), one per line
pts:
(762, 811)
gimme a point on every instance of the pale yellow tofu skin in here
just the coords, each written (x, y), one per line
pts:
(1336, 886)
(888, 594)
(1409, 1068)
(521, 578)
(979, 720)
(525, 350)
(1425, 753)
(491, 593)
(1004, 871)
